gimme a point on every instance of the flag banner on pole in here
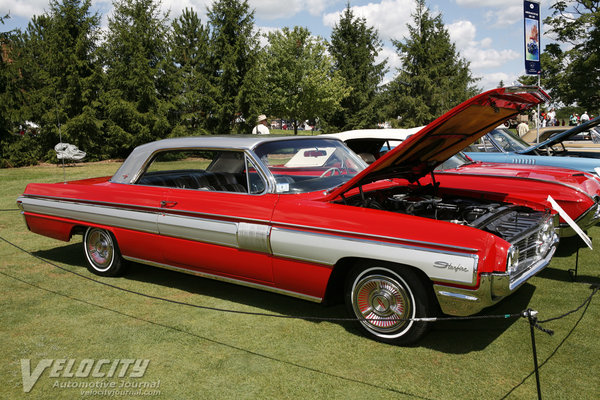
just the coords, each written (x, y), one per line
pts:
(531, 11)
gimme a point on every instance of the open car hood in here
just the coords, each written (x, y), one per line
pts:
(562, 136)
(447, 135)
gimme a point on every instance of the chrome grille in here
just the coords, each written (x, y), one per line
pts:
(534, 245)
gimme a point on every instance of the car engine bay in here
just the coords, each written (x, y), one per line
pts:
(506, 220)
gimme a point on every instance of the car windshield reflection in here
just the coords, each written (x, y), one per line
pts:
(456, 161)
(508, 141)
(301, 166)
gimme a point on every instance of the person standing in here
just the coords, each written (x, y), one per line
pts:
(584, 117)
(261, 127)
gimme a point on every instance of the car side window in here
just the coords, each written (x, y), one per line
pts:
(208, 170)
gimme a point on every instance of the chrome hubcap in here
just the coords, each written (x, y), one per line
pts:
(100, 249)
(382, 302)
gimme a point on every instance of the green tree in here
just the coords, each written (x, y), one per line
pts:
(434, 77)
(575, 72)
(136, 97)
(61, 77)
(15, 150)
(9, 47)
(302, 83)
(354, 47)
(234, 63)
(193, 95)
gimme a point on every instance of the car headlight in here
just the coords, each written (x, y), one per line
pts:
(545, 236)
(512, 260)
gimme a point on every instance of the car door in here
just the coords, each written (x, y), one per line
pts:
(216, 219)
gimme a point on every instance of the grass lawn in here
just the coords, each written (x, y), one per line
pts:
(48, 313)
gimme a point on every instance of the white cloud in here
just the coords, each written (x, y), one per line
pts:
(21, 8)
(506, 16)
(490, 58)
(175, 7)
(462, 33)
(491, 80)
(501, 12)
(389, 17)
(273, 9)
(486, 3)
(480, 54)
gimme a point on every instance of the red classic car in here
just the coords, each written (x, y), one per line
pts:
(302, 216)
(576, 192)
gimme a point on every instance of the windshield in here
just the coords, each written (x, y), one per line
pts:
(300, 166)
(456, 161)
(593, 134)
(507, 141)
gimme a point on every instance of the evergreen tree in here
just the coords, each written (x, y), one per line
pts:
(137, 90)
(354, 47)
(573, 75)
(189, 51)
(8, 75)
(434, 77)
(234, 57)
(17, 146)
(61, 76)
(302, 84)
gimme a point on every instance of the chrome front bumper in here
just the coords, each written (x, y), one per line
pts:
(492, 288)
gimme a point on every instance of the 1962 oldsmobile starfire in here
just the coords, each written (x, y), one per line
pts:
(304, 217)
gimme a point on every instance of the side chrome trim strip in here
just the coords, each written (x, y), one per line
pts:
(439, 265)
(284, 225)
(201, 230)
(228, 280)
(184, 213)
(131, 207)
(144, 221)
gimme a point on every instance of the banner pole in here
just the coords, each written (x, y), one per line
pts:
(537, 122)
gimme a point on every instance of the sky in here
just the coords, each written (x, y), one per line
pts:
(487, 33)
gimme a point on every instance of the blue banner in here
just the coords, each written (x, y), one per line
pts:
(531, 11)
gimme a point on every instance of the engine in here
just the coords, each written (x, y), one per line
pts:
(457, 210)
(502, 219)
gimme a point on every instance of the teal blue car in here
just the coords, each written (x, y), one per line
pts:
(503, 146)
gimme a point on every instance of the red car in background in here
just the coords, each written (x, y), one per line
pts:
(577, 192)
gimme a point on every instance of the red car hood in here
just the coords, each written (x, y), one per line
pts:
(447, 135)
(578, 179)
